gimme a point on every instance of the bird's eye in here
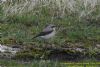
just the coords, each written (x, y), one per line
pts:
(53, 26)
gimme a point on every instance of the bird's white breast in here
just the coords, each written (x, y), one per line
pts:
(48, 35)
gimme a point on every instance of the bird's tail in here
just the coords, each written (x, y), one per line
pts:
(34, 37)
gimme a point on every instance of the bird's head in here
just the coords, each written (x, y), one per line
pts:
(51, 26)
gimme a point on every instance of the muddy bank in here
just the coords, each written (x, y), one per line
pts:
(61, 54)
(49, 53)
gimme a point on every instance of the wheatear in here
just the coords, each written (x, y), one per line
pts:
(48, 32)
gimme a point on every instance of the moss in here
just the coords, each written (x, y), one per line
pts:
(30, 54)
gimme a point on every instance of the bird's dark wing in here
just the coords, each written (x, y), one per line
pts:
(43, 33)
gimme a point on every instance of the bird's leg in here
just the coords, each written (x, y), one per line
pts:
(45, 47)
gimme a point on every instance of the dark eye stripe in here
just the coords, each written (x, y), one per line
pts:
(53, 26)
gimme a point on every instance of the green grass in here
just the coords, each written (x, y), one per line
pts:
(77, 23)
(19, 29)
(47, 63)
(35, 63)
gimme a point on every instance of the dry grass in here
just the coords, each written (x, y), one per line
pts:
(61, 7)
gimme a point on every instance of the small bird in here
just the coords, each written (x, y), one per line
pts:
(48, 32)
